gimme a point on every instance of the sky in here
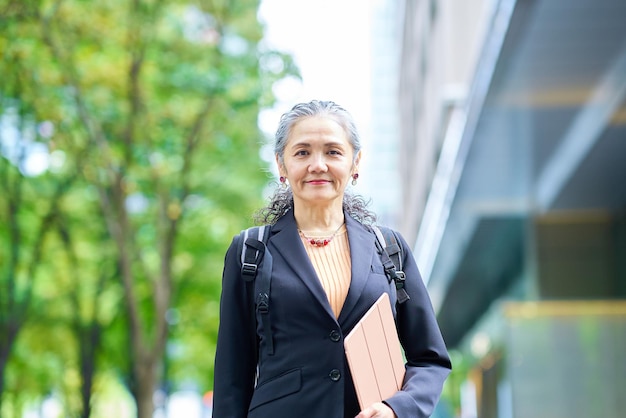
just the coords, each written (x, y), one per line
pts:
(329, 40)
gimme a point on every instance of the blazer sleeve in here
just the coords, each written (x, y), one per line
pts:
(235, 355)
(427, 360)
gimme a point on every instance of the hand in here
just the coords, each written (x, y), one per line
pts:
(377, 410)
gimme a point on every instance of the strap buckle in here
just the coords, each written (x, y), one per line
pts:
(399, 279)
(248, 269)
(263, 303)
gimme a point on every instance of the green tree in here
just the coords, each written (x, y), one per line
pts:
(154, 106)
(29, 207)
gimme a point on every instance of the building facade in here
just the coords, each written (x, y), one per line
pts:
(512, 138)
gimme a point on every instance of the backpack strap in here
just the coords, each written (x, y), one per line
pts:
(252, 251)
(391, 257)
(254, 257)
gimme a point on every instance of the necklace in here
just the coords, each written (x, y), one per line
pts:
(319, 242)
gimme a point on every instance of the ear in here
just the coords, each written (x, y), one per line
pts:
(357, 161)
(281, 167)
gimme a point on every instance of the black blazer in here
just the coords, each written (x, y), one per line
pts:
(308, 376)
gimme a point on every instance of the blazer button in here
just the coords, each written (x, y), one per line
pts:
(335, 336)
(334, 375)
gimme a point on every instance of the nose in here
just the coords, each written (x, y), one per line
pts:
(318, 163)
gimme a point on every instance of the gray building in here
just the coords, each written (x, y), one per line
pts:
(513, 174)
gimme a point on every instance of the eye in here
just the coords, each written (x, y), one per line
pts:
(335, 152)
(301, 152)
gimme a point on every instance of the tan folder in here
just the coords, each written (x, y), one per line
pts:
(374, 354)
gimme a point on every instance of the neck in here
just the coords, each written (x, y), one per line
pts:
(322, 219)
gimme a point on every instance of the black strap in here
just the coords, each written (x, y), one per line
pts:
(263, 300)
(254, 257)
(251, 259)
(391, 257)
(249, 264)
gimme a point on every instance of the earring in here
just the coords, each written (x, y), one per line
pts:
(283, 182)
(355, 176)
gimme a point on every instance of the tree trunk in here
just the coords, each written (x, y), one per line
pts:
(4, 357)
(11, 330)
(91, 341)
(145, 376)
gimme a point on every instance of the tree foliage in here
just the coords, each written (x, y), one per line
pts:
(129, 156)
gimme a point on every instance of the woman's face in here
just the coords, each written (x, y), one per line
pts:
(318, 161)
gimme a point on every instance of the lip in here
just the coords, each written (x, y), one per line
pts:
(318, 182)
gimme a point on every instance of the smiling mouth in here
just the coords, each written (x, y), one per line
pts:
(318, 181)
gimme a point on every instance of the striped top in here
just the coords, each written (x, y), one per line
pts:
(333, 267)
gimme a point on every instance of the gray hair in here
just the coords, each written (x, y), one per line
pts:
(282, 200)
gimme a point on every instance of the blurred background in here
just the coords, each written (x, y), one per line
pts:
(133, 146)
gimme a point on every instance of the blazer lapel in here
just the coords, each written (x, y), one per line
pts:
(286, 241)
(362, 249)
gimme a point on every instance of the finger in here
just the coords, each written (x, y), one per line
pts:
(367, 413)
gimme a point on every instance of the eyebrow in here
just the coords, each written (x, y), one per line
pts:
(326, 144)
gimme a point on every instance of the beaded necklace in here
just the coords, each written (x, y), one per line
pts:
(319, 242)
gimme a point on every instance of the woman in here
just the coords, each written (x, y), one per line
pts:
(326, 274)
